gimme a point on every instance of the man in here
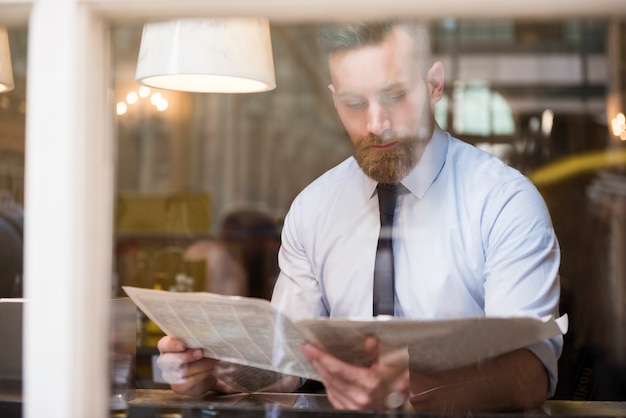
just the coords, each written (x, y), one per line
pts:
(472, 237)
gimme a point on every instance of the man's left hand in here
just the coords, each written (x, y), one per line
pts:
(379, 386)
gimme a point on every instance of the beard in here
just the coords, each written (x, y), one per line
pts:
(394, 164)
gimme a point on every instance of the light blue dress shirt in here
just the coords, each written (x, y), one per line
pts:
(472, 238)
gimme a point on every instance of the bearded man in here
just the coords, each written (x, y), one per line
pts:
(471, 237)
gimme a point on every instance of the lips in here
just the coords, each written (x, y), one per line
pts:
(385, 146)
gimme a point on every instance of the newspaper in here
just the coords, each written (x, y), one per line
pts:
(244, 331)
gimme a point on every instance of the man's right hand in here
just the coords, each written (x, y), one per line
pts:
(187, 370)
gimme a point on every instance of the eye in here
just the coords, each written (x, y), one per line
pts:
(393, 97)
(354, 104)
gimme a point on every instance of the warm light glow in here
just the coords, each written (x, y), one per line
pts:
(162, 105)
(132, 97)
(156, 98)
(208, 83)
(121, 108)
(159, 102)
(144, 91)
(618, 126)
(547, 121)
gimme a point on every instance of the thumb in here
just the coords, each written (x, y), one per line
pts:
(371, 346)
(169, 344)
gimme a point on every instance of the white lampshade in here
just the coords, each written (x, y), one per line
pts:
(221, 55)
(6, 70)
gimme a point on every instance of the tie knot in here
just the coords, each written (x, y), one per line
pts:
(387, 187)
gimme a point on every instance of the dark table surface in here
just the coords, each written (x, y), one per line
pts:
(165, 403)
(159, 403)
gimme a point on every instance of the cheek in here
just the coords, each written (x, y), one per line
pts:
(355, 124)
(413, 115)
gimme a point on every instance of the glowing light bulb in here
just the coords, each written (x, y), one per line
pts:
(547, 121)
(144, 91)
(162, 105)
(618, 125)
(121, 108)
(156, 98)
(131, 98)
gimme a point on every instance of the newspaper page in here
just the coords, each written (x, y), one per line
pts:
(250, 332)
(243, 331)
(433, 345)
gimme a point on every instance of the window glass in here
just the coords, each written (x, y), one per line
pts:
(211, 176)
(204, 181)
(12, 158)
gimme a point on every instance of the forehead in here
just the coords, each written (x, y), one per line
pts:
(375, 67)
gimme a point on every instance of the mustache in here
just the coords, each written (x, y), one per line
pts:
(373, 139)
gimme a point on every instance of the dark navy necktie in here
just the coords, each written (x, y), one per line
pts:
(383, 268)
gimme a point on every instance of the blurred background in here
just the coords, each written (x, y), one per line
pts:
(203, 181)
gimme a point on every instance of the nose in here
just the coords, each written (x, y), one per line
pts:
(377, 119)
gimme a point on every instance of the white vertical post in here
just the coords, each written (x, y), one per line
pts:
(69, 195)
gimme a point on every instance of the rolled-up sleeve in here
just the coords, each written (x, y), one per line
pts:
(522, 261)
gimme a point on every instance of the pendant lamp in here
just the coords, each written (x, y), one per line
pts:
(220, 55)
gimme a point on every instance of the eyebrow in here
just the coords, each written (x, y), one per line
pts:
(394, 87)
(388, 89)
(343, 96)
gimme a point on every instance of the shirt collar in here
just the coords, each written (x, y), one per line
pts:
(426, 170)
(429, 166)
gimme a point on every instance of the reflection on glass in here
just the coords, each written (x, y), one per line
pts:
(203, 181)
(532, 93)
(213, 175)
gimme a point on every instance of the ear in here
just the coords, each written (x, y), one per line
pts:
(435, 80)
(331, 87)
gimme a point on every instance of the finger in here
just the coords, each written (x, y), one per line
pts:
(353, 387)
(402, 382)
(169, 344)
(195, 385)
(193, 370)
(335, 370)
(372, 347)
(323, 364)
(178, 366)
(177, 360)
(338, 400)
(393, 364)
(348, 386)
